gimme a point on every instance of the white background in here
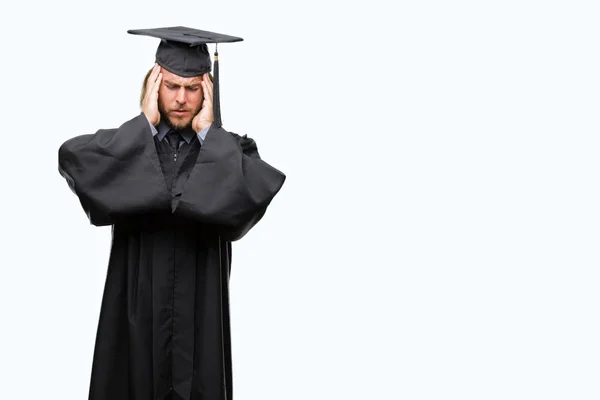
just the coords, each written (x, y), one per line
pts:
(436, 238)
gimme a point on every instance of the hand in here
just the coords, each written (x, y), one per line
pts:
(205, 117)
(150, 102)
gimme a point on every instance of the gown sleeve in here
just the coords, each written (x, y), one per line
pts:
(230, 186)
(115, 173)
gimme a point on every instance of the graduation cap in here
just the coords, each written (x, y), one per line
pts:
(183, 51)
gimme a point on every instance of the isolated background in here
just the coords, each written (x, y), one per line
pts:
(437, 237)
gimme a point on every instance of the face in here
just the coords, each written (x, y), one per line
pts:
(179, 99)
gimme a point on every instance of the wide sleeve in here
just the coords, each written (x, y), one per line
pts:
(230, 186)
(115, 172)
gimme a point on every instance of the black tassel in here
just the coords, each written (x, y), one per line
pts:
(216, 97)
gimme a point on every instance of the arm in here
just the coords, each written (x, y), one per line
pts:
(230, 186)
(115, 172)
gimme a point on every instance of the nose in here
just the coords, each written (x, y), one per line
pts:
(181, 96)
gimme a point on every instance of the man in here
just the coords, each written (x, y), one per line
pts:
(177, 189)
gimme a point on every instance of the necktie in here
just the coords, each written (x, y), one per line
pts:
(173, 137)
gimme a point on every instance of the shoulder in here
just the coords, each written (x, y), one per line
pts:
(244, 141)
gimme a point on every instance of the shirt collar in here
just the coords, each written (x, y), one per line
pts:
(162, 128)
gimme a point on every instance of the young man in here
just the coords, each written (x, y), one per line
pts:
(177, 189)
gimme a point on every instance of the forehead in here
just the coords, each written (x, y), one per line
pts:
(179, 80)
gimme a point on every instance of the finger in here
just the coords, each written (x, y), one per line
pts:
(207, 87)
(157, 85)
(207, 94)
(209, 82)
(151, 86)
(152, 77)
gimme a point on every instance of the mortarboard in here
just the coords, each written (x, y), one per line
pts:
(183, 51)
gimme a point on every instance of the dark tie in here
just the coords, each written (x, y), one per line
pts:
(173, 137)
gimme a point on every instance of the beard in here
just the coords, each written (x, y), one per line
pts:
(177, 123)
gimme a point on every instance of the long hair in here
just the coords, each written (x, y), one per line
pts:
(143, 93)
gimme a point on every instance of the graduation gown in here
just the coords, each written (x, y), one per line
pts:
(163, 331)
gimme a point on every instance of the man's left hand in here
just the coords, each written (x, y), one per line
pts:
(205, 116)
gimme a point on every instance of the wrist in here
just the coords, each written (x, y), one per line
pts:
(202, 126)
(152, 121)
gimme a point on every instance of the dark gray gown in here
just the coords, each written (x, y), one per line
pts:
(164, 330)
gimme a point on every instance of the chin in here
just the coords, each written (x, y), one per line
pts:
(179, 123)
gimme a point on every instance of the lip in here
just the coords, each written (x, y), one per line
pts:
(179, 112)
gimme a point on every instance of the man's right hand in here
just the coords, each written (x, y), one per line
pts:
(150, 103)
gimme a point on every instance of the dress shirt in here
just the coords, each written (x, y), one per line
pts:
(187, 134)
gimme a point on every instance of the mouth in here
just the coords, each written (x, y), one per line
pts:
(179, 113)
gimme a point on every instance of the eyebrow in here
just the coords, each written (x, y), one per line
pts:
(191, 85)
